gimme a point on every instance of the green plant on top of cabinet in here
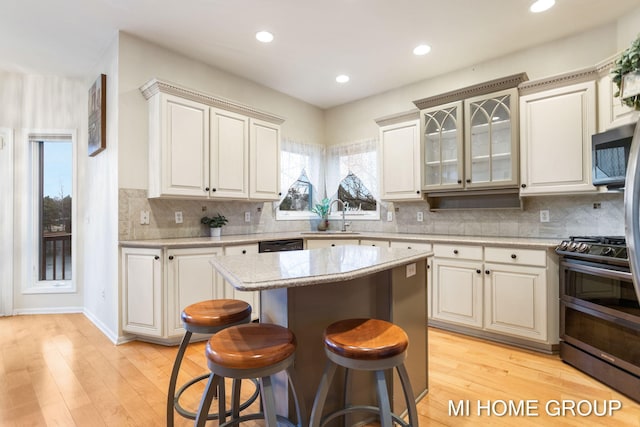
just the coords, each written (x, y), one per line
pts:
(204, 147)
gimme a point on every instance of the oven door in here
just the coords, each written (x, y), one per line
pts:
(600, 313)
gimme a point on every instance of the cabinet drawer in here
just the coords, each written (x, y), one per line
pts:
(241, 249)
(380, 243)
(412, 245)
(458, 251)
(516, 256)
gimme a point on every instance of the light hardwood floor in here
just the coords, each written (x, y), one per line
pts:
(60, 370)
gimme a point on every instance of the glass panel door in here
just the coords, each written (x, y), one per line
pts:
(443, 146)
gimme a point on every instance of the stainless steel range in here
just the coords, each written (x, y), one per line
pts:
(599, 311)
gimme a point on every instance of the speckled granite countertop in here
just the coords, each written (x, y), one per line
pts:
(310, 267)
(240, 239)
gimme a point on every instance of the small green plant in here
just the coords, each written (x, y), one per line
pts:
(322, 208)
(214, 221)
(628, 62)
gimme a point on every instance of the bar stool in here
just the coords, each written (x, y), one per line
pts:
(205, 317)
(369, 345)
(255, 350)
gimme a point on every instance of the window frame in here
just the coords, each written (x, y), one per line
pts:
(34, 285)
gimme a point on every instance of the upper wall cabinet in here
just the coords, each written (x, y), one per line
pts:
(400, 158)
(206, 147)
(471, 142)
(558, 117)
(611, 111)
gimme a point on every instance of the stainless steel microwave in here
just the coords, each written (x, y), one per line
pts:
(610, 156)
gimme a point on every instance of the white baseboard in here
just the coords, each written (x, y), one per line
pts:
(113, 337)
(48, 310)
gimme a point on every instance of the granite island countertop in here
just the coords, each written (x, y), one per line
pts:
(273, 270)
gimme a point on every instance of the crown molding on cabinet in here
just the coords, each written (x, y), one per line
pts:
(560, 80)
(398, 118)
(155, 86)
(472, 91)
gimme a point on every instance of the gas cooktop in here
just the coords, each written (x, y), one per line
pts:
(595, 248)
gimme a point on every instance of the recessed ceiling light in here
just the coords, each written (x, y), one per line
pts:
(541, 5)
(422, 49)
(342, 78)
(264, 36)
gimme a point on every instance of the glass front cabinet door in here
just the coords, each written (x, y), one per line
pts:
(491, 155)
(443, 151)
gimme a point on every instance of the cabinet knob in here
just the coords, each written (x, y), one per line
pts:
(244, 251)
(478, 271)
(156, 257)
(418, 192)
(468, 181)
(170, 256)
(213, 189)
(279, 194)
(487, 272)
(408, 247)
(514, 256)
(459, 181)
(206, 189)
(524, 186)
(333, 244)
(428, 266)
(455, 252)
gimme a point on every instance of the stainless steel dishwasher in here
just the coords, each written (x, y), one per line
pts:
(281, 245)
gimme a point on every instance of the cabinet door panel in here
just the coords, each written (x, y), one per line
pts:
(556, 129)
(457, 292)
(264, 155)
(229, 154)
(251, 297)
(401, 161)
(515, 301)
(191, 279)
(142, 291)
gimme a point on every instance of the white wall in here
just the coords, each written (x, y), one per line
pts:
(355, 121)
(99, 215)
(30, 103)
(140, 61)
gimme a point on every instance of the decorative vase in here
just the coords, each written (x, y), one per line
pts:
(323, 224)
(215, 231)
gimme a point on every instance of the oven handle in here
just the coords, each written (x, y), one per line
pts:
(597, 271)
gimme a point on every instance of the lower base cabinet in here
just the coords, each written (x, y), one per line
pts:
(253, 298)
(505, 294)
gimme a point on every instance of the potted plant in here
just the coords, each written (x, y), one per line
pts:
(215, 224)
(629, 62)
(322, 210)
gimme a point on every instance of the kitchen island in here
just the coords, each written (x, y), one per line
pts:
(307, 290)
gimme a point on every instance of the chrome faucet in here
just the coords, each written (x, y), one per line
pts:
(344, 226)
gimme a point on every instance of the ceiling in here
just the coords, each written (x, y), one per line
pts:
(370, 40)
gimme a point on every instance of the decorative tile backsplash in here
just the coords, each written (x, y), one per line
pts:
(568, 215)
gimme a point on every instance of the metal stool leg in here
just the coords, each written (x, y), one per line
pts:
(412, 411)
(207, 397)
(383, 400)
(301, 410)
(269, 400)
(171, 395)
(321, 394)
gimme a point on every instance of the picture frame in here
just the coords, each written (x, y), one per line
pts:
(97, 138)
(630, 85)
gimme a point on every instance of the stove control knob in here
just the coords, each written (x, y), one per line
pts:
(583, 247)
(563, 245)
(572, 247)
(608, 251)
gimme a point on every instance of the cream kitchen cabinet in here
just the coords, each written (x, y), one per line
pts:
(555, 136)
(517, 298)
(611, 111)
(190, 279)
(142, 290)
(457, 285)
(400, 159)
(203, 147)
(253, 298)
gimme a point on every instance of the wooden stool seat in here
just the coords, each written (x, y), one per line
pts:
(365, 339)
(253, 350)
(215, 313)
(251, 346)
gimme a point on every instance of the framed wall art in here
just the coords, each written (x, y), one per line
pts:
(98, 116)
